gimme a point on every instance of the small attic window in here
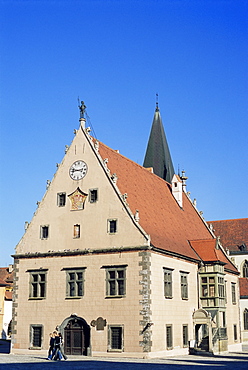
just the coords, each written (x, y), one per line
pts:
(44, 231)
(112, 226)
(93, 195)
(76, 231)
(61, 199)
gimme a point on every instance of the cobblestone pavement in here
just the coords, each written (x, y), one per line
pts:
(223, 362)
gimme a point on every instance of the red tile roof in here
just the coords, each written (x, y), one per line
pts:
(233, 233)
(169, 226)
(243, 286)
(8, 295)
(6, 276)
(2, 282)
(206, 249)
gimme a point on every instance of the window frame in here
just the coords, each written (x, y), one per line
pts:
(32, 329)
(61, 196)
(93, 199)
(169, 337)
(76, 231)
(235, 332)
(245, 318)
(185, 335)
(37, 285)
(111, 348)
(233, 291)
(184, 285)
(76, 281)
(168, 283)
(245, 269)
(110, 221)
(43, 235)
(114, 282)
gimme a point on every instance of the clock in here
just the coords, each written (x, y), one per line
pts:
(78, 170)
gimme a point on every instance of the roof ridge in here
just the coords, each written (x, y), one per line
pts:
(231, 219)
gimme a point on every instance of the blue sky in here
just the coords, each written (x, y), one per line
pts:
(116, 55)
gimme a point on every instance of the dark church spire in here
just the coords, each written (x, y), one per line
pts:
(157, 152)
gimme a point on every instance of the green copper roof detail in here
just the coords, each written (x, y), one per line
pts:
(157, 152)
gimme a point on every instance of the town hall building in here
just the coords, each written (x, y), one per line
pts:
(119, 260)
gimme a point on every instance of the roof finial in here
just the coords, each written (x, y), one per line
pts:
(157, 102)
(82, 108)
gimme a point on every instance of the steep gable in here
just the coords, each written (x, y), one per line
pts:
(78, 223)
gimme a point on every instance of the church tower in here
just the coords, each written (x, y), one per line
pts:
(157, 153)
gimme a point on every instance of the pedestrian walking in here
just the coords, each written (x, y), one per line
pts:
(62, 347)
(57, 352)
(51, 346)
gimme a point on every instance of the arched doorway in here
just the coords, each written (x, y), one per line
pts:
(76, 333)
(202, 330)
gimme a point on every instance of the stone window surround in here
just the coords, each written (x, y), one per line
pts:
(110, 338)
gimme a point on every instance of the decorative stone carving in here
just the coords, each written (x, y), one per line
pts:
(124, 197)
(136, 216)
(114, 178)
(77, 199)
(97, 146)
(99, 323)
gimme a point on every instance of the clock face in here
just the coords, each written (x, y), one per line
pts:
(78, 170)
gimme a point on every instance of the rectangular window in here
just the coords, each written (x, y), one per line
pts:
(112, 226)
(116, 281)
(168, 283)
(169, 340)
(36, 336)
(221, 287)
(61, 199)
(233, 293)
(245, 316)
(37, 287)
(115, 338)
(75, 282)
(44, 232)
(93, 195)
(185, 335)
(235, 333)
(184, 285)
(76, 231)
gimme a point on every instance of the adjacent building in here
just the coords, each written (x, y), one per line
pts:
(119, 260)
(6, 288)
(234, 238)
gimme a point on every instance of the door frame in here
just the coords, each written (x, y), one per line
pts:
(86, 330)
